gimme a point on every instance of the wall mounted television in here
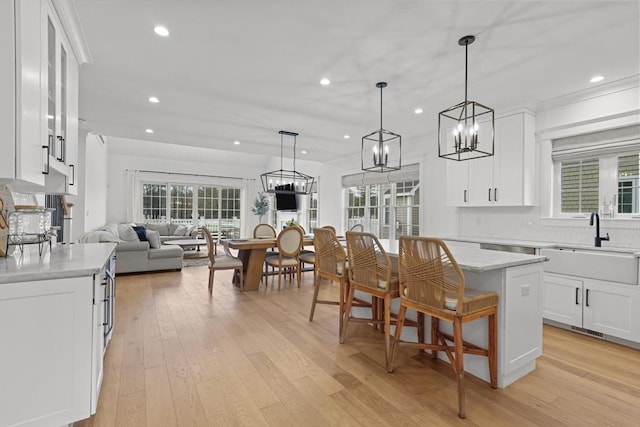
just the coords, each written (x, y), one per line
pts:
(286, 198)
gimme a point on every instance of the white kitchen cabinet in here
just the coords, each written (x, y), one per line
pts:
(45, 356)
(60, 101)
(562, 301)
(39, 90)
(53, 335)
(504, 179)
(21, 120)
(605, 307)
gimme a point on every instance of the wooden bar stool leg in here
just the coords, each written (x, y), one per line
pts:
(435, 327)
(387, 329)
(493, 350)
(347, 310)
(459, 365)
(316, 290)
(396, 337)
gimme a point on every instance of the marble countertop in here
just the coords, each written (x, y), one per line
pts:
(479, 260)
(540, 244)
(62, 261)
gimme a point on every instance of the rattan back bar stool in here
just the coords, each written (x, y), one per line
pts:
(432, 282)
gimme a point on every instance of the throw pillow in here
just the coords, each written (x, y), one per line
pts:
(190, 230)
(140, 231)
(154, 239)
(126, 233)
(179, 231)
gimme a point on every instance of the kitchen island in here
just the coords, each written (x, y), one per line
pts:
(517, 279)
(56, 317)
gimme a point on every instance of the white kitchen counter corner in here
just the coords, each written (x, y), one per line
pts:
(63, 261)
(56, 319)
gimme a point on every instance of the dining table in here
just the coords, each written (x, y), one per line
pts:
(253, 252)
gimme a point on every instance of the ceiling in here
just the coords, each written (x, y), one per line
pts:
(244, 70)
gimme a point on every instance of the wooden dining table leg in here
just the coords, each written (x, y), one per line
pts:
(252, 260)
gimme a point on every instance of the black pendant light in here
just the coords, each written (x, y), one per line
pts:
(466, 130)
(381, 150)
(287, 181)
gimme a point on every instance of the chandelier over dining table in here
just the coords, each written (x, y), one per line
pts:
(287, 180)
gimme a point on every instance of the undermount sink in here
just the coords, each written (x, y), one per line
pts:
(596, 263)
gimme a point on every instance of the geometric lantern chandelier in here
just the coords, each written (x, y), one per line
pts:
(287, 181)
(466, 130)
(381, 149)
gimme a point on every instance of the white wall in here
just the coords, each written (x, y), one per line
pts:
(610, 106)
(127, 154)
(90, 207)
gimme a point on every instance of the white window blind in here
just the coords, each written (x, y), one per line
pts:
(407, 173)
(597, 144)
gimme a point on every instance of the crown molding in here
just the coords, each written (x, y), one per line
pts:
(68, 15)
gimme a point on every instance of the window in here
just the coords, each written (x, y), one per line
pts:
(598, 172)
(579, 186)
(628, 184)
(356, 205)
(216, 207)
(181, 202)
(154, 201)
(313, 211)
(387, 205)
(408, 208)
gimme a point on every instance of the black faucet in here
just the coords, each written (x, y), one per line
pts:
(598, 239)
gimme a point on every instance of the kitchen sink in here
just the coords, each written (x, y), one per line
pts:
(596, 263)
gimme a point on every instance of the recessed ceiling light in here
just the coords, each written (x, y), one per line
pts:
(304, 151)
(153, 99)
(148, 130)
(347, 137)
(325, 82)
(596, 79)
(236, 142)
(418, 111)
(161, 31)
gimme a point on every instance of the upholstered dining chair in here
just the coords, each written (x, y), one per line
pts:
(265, 231)
(432, 282)
(262, 231)
(289, 243)
(330, 264)
(221, 262)
(370, 272)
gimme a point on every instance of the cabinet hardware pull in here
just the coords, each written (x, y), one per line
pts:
(489, 194)
(587, 299)
(62, 154)
(73, 175)
(465, 196)
(495, 194)
(577, 290)
(46, 163)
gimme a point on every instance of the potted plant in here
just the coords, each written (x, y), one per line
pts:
(260, 206)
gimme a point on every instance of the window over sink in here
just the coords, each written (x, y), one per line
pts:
(598, 172)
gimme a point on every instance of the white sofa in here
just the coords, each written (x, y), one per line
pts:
(133, 255)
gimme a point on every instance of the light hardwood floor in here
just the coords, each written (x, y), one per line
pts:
(180, 358)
